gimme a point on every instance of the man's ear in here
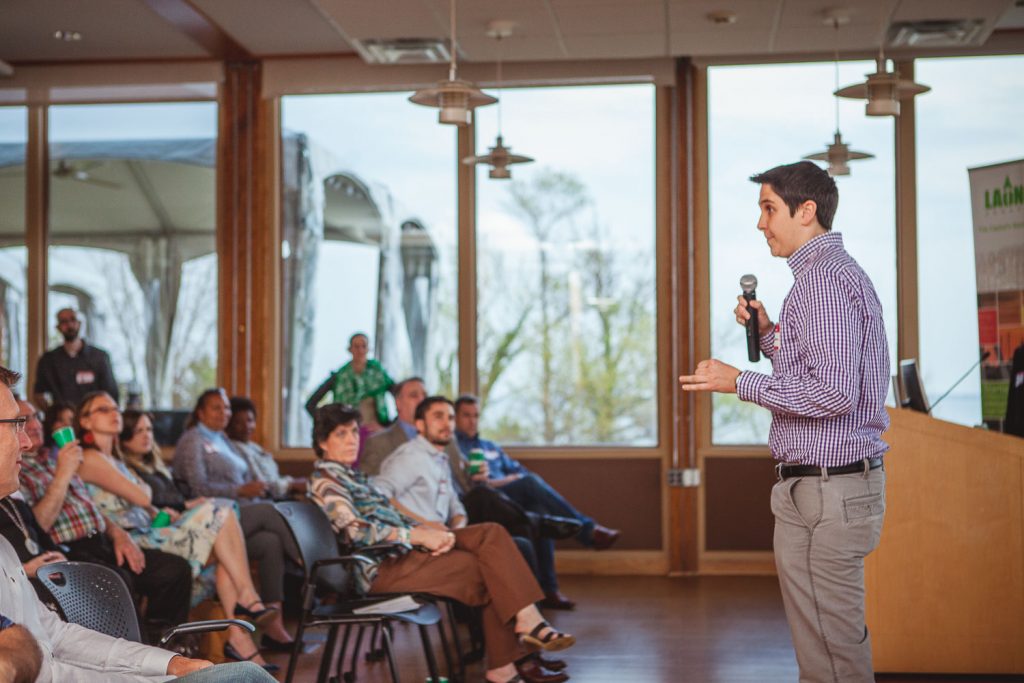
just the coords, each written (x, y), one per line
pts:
(808, 212)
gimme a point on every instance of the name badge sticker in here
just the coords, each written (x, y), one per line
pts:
(85, 377)
(777, 342)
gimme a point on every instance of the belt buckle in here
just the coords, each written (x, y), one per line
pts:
(778, 471)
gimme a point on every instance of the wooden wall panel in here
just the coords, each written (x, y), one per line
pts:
(737, 504)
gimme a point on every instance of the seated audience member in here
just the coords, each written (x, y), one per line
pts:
(261, 462)
(408, 394)
(518, 483)
(63, 508)
(206, 532)
(362, 383)
(207, 464)
(68, 652)
(56, 416)
(142, 454)
(477, 565)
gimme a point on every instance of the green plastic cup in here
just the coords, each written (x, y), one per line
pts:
(63, 436)
(476, 461)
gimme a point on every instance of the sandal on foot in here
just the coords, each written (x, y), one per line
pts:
(231, 653)
(260, 616)
(552, 641)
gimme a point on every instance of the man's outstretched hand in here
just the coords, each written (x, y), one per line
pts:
(711, 375)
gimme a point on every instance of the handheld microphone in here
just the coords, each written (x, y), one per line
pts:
(748, 283)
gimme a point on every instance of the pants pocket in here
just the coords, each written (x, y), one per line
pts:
(863, 506)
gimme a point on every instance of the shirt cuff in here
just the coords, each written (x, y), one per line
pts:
(767, 342)
(155, 661)
(750, 386)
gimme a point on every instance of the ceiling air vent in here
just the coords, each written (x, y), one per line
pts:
(403, 50)
(937, 33)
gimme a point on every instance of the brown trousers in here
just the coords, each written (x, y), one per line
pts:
(483, 569)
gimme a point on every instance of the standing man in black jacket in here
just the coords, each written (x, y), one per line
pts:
(73, 369)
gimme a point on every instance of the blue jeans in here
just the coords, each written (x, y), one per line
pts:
(236, 672)
(536, 495)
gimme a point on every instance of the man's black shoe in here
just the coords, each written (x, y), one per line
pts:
(557, 528)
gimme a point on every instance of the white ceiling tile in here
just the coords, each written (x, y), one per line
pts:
(270, 27)
(627, 45)
(603, 19)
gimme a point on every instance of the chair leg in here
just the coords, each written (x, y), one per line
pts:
(344, 650)
(293, 660)
(329, 649)
(389, 652)
(428, 651)
(449, 664)
(459, 657)
(350, 675)
(375, 653)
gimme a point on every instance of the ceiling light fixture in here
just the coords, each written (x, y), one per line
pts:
(838, 154)
(500, 157)
(455, 98)
(67, 36)
(884, 89)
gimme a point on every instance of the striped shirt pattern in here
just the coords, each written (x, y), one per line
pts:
(79, 517)
(830, 363)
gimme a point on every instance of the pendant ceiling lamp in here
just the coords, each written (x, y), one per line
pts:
(455, 98)
(838, 154)
(884, 89)
(500, 157)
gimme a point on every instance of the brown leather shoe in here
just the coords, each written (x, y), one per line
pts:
(604, 537)
(557, 601)
(531, 672)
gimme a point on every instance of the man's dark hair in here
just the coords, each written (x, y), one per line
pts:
(358, 334)
(240, 403)
(328, 418)
(396, 389)
(466, 400)
(428, 402)
(9, 377)
(800, 182)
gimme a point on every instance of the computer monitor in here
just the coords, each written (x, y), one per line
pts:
(913, 390)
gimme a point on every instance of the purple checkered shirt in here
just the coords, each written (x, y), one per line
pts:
(830, 363)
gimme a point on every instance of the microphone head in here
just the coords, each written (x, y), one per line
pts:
(748, 283)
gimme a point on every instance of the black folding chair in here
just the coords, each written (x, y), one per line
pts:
(96, 597)
(327, 576)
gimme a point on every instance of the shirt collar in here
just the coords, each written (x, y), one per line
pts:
(410, 430)
(804, 257)
(207, 432)
(426, 444)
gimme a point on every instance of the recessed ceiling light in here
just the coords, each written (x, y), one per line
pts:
(722, 17)
(67, 36)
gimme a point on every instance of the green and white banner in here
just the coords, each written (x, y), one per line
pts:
(997, 204)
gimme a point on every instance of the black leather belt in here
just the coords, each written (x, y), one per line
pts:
(787, 471)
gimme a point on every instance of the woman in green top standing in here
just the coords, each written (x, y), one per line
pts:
(361, 382)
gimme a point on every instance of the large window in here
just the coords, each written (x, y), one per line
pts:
(760, 117)
(13, 289)
(971, 118)
(369, 243)
(132, 246)
(566, 269)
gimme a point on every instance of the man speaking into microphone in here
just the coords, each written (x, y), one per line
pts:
(826, 393)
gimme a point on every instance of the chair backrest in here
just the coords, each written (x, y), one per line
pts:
(92, 596)
(316, 541)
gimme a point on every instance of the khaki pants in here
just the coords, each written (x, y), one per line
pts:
(824, 527)
(483, 569)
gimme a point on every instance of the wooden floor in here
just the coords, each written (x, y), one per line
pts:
(654, 630)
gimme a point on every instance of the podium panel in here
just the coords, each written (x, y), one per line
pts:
(945, 587)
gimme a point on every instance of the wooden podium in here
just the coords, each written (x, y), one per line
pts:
(945, 587)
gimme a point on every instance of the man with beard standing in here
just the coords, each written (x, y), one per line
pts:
(73, 369)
